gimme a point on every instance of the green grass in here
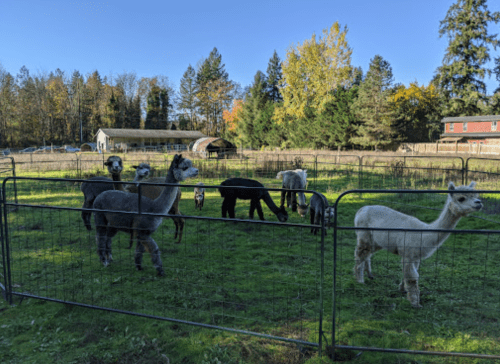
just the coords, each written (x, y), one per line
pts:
(249, 276)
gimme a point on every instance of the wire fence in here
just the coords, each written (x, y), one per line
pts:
(270, 279)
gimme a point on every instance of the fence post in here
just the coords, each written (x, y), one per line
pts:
(315, 169)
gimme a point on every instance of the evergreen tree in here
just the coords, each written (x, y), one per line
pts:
(187, 98)
(158, 108)
(254, 120)
(373, 108)
(461, 76)
(274, 76)
(215, 92)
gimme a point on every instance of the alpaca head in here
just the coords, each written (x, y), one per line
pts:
(329, 212)
(282, 214)
(182, 168)
(302, 210)
(142, 171)
(462, 204)
(114, 164)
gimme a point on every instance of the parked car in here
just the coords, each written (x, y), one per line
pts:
(28, 150)
(70, 149)
(6, 152)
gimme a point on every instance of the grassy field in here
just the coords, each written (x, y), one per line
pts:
(246, 275)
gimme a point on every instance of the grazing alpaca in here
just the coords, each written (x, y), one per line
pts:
(91, 188)
(413, 247)
(152, 192)
(319, 211)
(199, 196)
(255, 195)
(108, 223)
(294, 181)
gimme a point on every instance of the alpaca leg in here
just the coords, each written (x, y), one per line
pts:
(139, 251)
(179, 228)
(283, 195)
(225, 206)
(410, 279)
(259, 210)
(231, 207)
(288, 199)
(368, 261)
(317, 221)
(150, 245)
(312, 214)
(87, 215)
(103, 239)
(361, 253)
(294, 201)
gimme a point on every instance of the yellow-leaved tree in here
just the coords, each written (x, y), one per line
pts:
(312, 70)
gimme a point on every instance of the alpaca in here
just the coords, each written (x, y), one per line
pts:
(152, 192)
(412, 247)
(320, 211)
(301, 172)
(108, 223)
(142, 172)
(91, 188)
(199, 196)
(294, 181)
(255, 195)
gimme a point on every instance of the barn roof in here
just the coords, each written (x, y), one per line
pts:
(461, 119)
(152, 133)
(201, 144)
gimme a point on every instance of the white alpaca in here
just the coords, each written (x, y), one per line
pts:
(286, 174)
(294, 180)
(413, 247)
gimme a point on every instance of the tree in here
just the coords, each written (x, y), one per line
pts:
(231, 119)
(417, 112)
(274, 76)
(255, 119)
(187, 96)
(314, 69)
(460, 78)
(372, 107)
(215, 92)
(8, 123)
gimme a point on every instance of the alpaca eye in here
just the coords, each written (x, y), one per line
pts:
(461, 199)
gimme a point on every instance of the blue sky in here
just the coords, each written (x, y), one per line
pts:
(164, 37)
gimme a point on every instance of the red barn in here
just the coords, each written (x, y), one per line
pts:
(472, 129)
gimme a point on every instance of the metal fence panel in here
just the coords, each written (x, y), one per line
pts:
(459, 286)
(239, 275)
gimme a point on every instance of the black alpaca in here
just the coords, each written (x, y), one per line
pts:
(255, 195)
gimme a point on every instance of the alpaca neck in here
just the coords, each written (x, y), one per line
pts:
(270, 203)
(163, 203)
(446, 220)
(302, 198)
(117, 178)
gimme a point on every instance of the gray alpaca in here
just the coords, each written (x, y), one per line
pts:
(152, 192)
(319, 211)
(108, 223)
(293, 181)
(91, 188)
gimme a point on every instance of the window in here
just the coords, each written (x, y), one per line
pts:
(465, 126)
(451, 126)
(494, 125)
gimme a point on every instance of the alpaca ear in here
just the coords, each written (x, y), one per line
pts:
(472, 184)
(451, 186)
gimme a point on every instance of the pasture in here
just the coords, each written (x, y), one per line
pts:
(261, 277)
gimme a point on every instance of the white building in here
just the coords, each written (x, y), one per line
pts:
(111, 139)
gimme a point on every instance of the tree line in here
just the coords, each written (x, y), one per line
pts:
(314, 98)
